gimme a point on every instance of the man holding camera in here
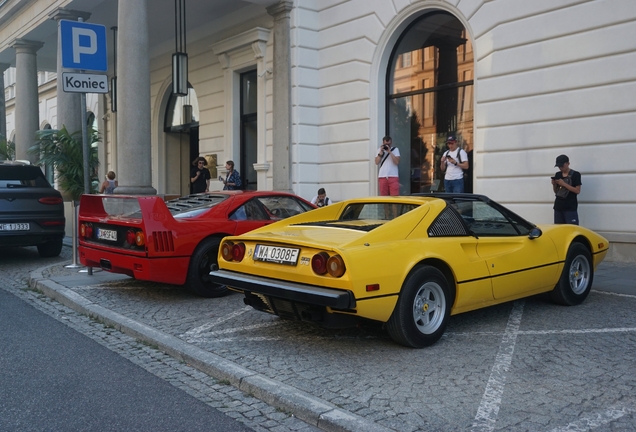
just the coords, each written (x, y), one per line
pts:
(321, 199)
(388, 158)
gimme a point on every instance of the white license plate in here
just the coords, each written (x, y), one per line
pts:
(15, 227)
(105, 234)
(275, 254)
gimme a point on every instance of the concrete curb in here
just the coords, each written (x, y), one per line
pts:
(306, 407)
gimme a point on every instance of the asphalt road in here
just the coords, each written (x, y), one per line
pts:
(54, 378)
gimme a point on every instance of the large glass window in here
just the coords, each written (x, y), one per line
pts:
(429, 95)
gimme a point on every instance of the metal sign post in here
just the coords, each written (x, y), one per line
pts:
(84, 48)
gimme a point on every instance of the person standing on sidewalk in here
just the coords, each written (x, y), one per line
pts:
(454, 162)
(199, 176)
(566, 185)
(387, 159)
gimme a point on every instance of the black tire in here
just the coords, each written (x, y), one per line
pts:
(422, 311)
(576, 278)
(50, 249)
(203, 258)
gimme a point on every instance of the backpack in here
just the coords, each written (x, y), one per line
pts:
(459, 160)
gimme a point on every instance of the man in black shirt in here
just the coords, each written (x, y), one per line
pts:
(566, 185)
(199, 176)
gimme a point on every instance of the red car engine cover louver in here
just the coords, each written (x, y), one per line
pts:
(163, 241)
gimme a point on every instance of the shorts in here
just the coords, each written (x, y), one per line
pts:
(389, 186)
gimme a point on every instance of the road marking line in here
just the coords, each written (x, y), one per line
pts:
(228, 331)
(542, 332)
(615, 294)
(205, 327)
(491, 400)
(582, 331)
(593, 421)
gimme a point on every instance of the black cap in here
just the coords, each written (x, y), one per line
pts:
(561, 160)
(451, 137)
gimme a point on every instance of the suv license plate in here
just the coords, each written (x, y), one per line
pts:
(15, 227)
(275, 254)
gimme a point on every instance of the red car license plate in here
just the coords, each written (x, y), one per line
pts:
(104, 234)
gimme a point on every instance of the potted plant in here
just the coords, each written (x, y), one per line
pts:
(63, 150)
(7, 149)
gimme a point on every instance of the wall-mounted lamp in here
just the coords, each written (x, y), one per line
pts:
(180, 57)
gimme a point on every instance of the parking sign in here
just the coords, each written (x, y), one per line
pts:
(83, 46)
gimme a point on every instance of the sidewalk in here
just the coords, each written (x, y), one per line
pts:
(57, 282)
(62, 284)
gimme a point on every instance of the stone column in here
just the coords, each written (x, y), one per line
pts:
(282, 95)
(134, 157)
(69, 112)
(3, 107)
(27, 116)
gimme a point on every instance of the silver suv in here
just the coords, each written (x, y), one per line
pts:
(31, 211)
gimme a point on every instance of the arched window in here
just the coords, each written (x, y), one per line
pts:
(182, 112)
(429, 95)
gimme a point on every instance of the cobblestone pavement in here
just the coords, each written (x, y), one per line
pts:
(526, 365)
(15, 265)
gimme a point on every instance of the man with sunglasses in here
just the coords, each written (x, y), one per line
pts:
(199, 176)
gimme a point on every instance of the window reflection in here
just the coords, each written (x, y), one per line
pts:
(182, 112)
(430, 94)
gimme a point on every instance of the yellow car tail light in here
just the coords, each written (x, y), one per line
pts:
(226, 251)
(336, 266)
(238, 252)
(319, 263)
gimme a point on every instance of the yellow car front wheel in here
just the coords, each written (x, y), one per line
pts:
(421, 314)
(577, 277)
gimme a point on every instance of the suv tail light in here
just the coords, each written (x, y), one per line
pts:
(51, 200)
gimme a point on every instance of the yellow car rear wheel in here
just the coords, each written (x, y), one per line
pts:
(421, 314)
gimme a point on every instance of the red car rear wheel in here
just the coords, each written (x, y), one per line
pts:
(204, 257)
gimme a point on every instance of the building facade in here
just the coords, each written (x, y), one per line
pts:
(300, 93)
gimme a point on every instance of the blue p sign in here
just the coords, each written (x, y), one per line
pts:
(83, 46)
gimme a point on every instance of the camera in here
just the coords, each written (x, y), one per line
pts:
(385, 147)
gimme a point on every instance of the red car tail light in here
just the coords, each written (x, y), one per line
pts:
(336, 266)
(130, 237)
(86, 230)
(226, 251)
(140, 238)
(51, 200)
(319, 263)
(238, 252)
(135, 237)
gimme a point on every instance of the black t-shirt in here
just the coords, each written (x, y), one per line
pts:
(570, 202)
(200, 184)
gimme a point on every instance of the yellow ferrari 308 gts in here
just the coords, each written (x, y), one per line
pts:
(409, 262)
